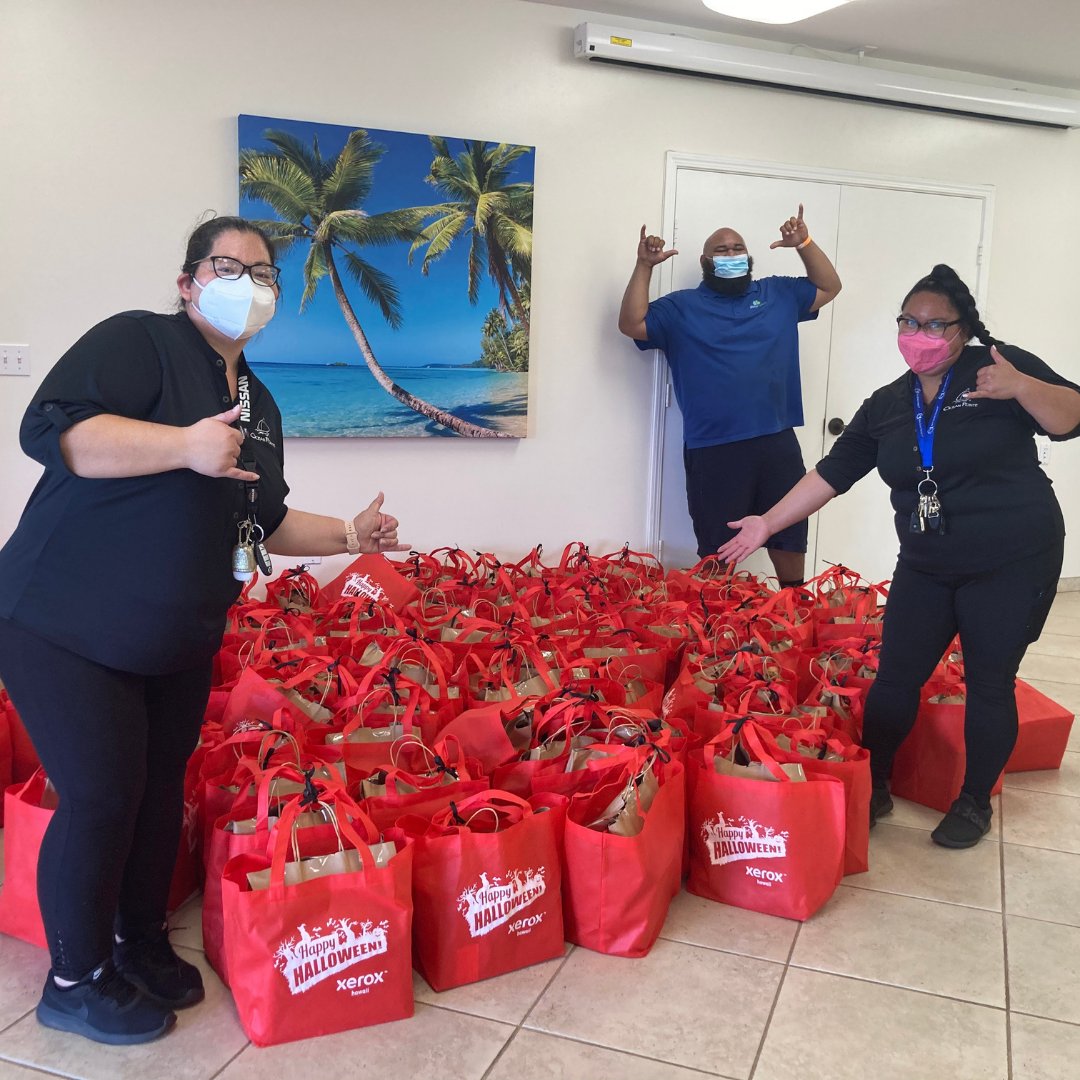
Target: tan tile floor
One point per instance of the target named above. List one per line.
(935, 965)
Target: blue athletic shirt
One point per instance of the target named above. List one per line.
(734, 359)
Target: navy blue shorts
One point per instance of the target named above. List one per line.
(730, 481)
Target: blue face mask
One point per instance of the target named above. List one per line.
(731, 266)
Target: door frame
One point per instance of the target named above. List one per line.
(662, 282)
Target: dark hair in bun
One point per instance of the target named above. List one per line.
(944, 281)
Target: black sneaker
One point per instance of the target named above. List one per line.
(149, 962)
(104, 1007)
(964, 825)
(880, 804)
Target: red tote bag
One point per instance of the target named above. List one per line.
(1044, 731)
(853, 772)
(327, 954)
(28, 809)
(371, 577)
(930, 764)
(488, 893)
(774, 847)
(617, 889)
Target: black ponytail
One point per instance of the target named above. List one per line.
(944, 281)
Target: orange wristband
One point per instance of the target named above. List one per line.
(806, 243)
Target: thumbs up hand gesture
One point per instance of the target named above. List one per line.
(998, 380)
(213, 446)
(376, 531)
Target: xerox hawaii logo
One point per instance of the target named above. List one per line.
(363, 585)
(741, 839)
(492, 902)
(307, 959)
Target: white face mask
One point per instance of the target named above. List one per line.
(237, 308)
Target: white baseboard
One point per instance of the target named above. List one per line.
(1069, 584)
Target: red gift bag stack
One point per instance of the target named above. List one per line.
(457, 763)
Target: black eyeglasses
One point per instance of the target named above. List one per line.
(934, 328)
(230, 269)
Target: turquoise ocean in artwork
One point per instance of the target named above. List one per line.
(330, 401)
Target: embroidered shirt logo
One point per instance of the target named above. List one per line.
(492, 902)
(757, 304)
(364, 585)
(961, 401)
(261, 433)
(307, 959)
(741, 839)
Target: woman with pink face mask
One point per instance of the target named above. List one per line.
(980, 530)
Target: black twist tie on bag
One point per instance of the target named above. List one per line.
(737, 725)
(443, 767)
(458, 819)
(311, 792)
(391, 682)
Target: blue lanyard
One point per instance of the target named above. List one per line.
(925, 432)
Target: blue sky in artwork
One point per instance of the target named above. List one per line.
(439, 324)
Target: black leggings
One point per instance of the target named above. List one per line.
(115, 746)
(997, 614)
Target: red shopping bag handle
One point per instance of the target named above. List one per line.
(282, 836)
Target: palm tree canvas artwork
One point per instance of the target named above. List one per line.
(406, 265)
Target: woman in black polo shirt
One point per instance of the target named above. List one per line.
(981, 533)
(159, 447)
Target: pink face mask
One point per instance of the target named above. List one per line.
(923, 353)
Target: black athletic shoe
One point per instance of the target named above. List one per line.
(880, 804)
(964, 825)
(149, 962)
(104, 1007)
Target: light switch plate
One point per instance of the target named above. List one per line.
(14, 359)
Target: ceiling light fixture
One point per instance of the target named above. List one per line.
(772, 11)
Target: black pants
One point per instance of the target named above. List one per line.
(115, 746)
(729, 481)
(997, 614)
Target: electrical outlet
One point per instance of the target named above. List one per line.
(1044, 451)
(312, 560)
(14, 359)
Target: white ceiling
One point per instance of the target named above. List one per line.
(1035, 41)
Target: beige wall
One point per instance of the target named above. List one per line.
(117, 121)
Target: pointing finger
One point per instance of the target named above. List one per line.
(241, 474)
(229, 416)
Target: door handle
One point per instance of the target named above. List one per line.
(836, 426)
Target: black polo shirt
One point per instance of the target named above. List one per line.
(135, 573)
(997, 503)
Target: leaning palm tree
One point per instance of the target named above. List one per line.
(318, 202)
(496, 214)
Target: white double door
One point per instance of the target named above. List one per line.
(882, 235)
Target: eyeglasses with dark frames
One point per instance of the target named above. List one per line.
(935, 328)
(230, 269)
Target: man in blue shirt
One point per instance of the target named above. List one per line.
(732, 345)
